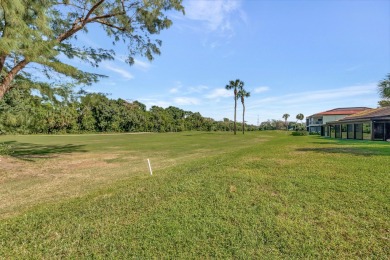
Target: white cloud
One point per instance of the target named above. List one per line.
(216, 14)
(124, 73)
(186, 101)
(188, 90)
(149, 102)
(341, 96)
(260, 89)
(219, 93)
(197, 89)
(174, 90)
(331, 94)
(142, 64)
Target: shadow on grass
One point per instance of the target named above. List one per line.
(207, 133)
(363, 151)
(31, 152)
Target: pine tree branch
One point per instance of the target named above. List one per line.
(77, 26)
(2, 61)
(93, 19)
(3, 55)
(123, 29)
(91, 11)
(6, 82)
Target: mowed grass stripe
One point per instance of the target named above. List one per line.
(289, 197)
(46, 169)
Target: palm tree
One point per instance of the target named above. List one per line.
(300, 117)
(234, 85)
(242, 93)
(286, 116)
(384, 87)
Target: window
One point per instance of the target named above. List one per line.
(344, 131)
(350, 133)
(379, 131)
(387, 130)
(359, 131)
(337, 129)
(331, 131)
(367, 131)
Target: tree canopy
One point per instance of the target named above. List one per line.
(286, 116)
(384, 91)
(62, 110)
(37, 32)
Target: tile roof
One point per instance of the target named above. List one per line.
(369, 114)
(342, 111)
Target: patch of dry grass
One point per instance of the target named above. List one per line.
(31, 178)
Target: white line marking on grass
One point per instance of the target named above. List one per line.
(150, 167)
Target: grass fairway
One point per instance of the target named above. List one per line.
(212, 195)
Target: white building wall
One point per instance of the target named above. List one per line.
(330, 118)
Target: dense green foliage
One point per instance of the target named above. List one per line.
(299, 133)
(280, 125)
(39, 32)
(384, 87)
(384, 91)
(63, 111)
(286, 116)
(257, 199)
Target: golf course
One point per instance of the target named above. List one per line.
(265, 194)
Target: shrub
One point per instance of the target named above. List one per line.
(299, 133)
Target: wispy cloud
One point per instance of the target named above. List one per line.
(260, 89)
(219, 93)
(176, 88)
(353, 68)
(197, 89)
(179, 88)
(149, 102)
(142, 64)
(186, 101)
(319, 96)
(139, 64)
(124, 73)
(215, 14)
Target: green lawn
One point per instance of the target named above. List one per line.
(212, 195)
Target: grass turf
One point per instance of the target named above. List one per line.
(212, 195)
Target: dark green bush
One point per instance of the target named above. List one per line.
(299, 133)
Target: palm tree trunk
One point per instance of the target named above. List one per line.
(235, 110)
(243, 116)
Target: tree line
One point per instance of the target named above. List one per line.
(47, 110)
(274, 124)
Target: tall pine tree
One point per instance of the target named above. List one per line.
(38, 31)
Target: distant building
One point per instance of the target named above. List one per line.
(370, 124)
(316, 123)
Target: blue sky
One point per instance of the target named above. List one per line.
(294, 56)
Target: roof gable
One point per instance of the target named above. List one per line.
(370, 113)
(342, 111)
